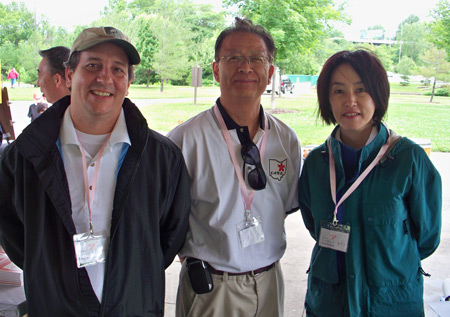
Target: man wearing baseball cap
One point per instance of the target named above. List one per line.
(93, 204)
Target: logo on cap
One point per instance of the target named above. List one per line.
(112, 31)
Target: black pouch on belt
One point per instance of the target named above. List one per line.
(199, 276)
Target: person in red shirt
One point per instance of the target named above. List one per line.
(13, 75)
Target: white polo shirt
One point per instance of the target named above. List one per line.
(217, 205)
(106, 182)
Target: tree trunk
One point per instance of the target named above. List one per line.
(432, 92)
(162, 85)
(274, 80)
(149, 72)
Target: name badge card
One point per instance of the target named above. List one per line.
(334, 236)
(90, 249)
(250, 232)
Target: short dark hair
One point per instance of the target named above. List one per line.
(56, 56)
(72, 63)
(41, 107)
(368, 66)
(245, 25)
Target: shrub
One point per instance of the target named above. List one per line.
(441, 92)
(405, 80)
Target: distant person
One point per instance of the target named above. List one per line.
(371, 199)
(37, 107)
(244, 165)
(13, 75)
(94, 239)
(52, 73)
(41, 107)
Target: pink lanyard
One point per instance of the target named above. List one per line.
(90, 198)
(247, 195)
(358, 180)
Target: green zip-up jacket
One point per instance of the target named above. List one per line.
(395, 220)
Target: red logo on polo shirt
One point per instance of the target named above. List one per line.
(277, 169)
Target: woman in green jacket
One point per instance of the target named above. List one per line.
(375, 211)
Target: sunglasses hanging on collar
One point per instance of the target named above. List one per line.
(251, 156)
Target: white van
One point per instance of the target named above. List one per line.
(276, 79)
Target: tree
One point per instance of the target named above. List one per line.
(305, 64)
(138, 7)
(28, 60)
(185, 34)
(440, 26)
(16, 23)
(171, 60)
(21, 37)
(117, 14)
(147, 45)
(16, 26)
(384, 53)
(405, 68)
(47, 36)
(409, 20)
(414, 41)
(9, 55)
(204, 24)
(437, 66)
(331, 42)
(296, 26)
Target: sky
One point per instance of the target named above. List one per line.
(388, 13)
(364, 13)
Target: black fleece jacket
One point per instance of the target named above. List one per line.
(148, 225)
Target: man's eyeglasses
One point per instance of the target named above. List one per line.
(256, 177)
(238, 61)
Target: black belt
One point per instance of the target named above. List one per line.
(254, 272)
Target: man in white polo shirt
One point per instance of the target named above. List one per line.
(93, 204)
(244, 166)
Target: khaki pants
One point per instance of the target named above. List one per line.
(234, 296)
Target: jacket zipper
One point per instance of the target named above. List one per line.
(105, 282)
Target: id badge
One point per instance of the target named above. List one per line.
(250, 231)
(90, 249)
(334, 236)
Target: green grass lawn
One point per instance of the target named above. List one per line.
(412, 88)
(409, 114)
(153, 92)
(135, 92)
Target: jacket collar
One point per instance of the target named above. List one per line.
(375, 142)
(368, 152)
(37, 144)
(38, 137)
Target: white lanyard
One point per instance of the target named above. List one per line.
(90, 198)
(358, 180)
(247, 195)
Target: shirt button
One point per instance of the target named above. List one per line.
(93, 164)
(370, 219)
(90, 187)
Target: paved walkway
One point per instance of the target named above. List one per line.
(296, 260)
